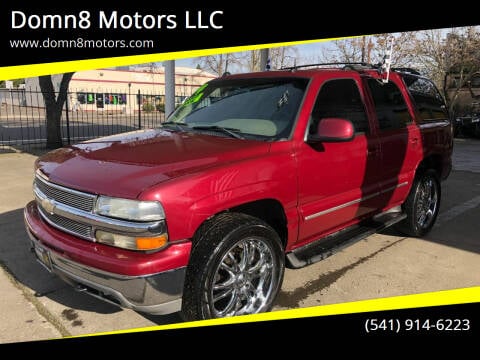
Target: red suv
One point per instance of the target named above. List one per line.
(251, 173)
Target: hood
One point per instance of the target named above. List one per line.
(126, 164)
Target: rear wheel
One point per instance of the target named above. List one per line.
(236, 268)
(422, 205)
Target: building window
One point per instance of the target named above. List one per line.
(115, 99)
(99, 100)
(90, 98)
(82, 98)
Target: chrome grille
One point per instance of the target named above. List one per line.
(69, 197)
(68, 225)
(75, 199)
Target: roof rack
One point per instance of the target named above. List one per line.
(357, 66)
(347, 66)
(406, 70)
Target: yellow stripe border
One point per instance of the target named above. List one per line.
(438, 298)
(24, 71)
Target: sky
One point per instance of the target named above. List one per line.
(306, 52)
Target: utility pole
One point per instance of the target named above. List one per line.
(363, 49)
(264, 53)
(169, 87)
(369, 51)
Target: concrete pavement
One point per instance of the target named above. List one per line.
(65, 311)
(36, 305)
(23, 316)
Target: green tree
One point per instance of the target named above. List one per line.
(16, 83)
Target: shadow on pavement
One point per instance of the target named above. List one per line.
(15, 254)
(457, 223)
(163, 319)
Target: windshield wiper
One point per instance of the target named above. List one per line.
(179, 126)
(228, 131)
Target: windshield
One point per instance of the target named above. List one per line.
(251, 108)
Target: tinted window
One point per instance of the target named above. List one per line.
(391, 108)
(430, 103)
(340, 99)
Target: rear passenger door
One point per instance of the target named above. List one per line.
(399, 137)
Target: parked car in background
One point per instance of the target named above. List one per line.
(468, 125)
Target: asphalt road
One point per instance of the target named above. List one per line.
(36, 305)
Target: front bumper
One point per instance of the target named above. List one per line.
(157, 293)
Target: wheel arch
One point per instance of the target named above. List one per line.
(434, 162)
(270, 210)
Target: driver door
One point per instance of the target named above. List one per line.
(338, 181)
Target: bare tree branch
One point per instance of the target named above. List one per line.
(450, 59)
(218, 64)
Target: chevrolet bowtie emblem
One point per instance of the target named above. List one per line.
(48, 205)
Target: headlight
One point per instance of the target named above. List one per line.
(129, 209)
(130, 242)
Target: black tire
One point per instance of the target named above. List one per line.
(421, 205)
(456, 131)
(477, 130)
(216, 260)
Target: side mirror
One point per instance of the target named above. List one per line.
(333, 130)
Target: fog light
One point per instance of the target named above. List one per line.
(131, 242)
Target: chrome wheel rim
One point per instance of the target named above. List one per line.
(427, 203)
(244, 279)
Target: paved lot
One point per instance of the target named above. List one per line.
(35, 305)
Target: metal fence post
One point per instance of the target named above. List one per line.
(68, 119)
(139, 110)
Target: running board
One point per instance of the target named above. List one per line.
(327, 246)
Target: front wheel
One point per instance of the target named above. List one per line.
(236, 268)
(422, 205)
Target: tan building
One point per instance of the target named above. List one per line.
(126, 90)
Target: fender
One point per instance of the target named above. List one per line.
(191, 200)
